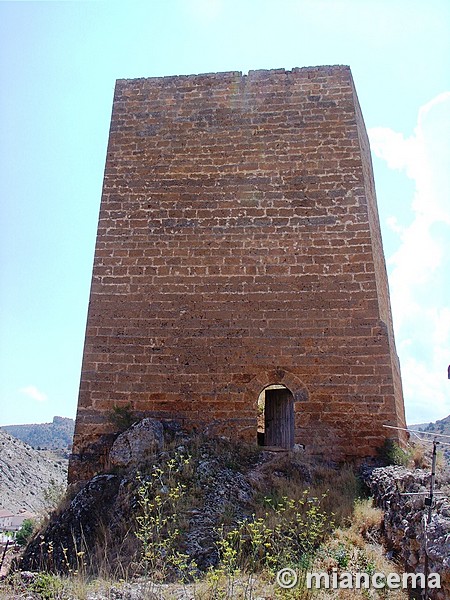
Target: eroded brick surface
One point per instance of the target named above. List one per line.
(239, 246)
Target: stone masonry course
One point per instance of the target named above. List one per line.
(239, 247)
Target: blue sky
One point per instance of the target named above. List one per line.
(58, 65)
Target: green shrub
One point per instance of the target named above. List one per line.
(47, 586)
(342, 556)
(25, 532)
(391, 454)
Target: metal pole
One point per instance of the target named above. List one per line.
(433, 479)
(429, 503)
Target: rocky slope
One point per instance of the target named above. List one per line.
(45, 436)
(28, 476)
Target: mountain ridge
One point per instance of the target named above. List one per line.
(56, 435)
(441, 426)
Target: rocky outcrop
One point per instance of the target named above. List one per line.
(226, 489)
(137, 444)
(401, 494)
(103, 514)
(69, 535)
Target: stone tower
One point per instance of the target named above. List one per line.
(239, 249)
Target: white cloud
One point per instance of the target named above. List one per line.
(421, 385)
(394, 225)
(32, 392)
(419, 269)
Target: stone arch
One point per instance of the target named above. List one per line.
(278, 376)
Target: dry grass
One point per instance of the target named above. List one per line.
(291, 475)
(355, 549)
(419, 457)
(367, 519)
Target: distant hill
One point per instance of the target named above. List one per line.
(441, 427)
(29, 478)
(57, 435)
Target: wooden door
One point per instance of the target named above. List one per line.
(279, 418)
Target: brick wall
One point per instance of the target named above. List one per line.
(239, 246)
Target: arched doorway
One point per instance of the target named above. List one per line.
(276, 417)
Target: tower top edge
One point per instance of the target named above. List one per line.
(252, 74)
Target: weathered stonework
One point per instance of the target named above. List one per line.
(401, 494)
(239, 246)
